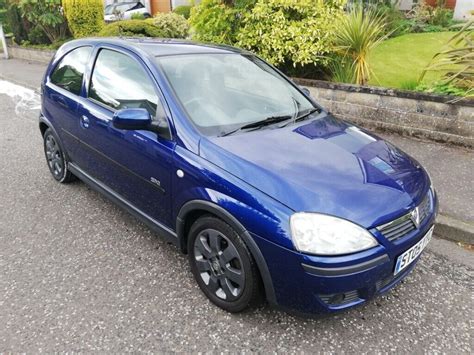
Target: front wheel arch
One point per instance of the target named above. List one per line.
(192, 210)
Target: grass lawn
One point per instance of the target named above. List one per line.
(401, 59)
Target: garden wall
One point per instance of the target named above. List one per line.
(405, 112)
(37, 55)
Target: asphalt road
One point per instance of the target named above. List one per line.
(79, 274)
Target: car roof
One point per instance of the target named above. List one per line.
(158, 47)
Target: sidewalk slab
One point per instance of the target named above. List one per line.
(451, 167)
(21, 72)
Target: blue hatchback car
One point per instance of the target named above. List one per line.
(217, 151)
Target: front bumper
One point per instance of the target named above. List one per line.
(315, 284)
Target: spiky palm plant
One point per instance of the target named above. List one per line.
(358, 33)
(456, 61)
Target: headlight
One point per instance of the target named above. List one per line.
(431, 182)
(320, 234)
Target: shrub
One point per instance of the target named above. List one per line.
(17, 24)
(183, 10)
(291, 31)
(131, 28)
(445, 89)
(441, 17)
(214, 21)
(47, 14)
(3, 20)
(456, 61)
(357, 33)
(426, 18)
(172, 25)
(341, 70)
(137, 16)
(85, 17)
(37, 36)
(411, 84)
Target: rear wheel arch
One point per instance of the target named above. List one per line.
(193, 210)
(43, 127)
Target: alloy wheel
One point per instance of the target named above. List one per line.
(54, 156)
(219, 264)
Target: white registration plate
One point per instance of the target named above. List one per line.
(411, 254)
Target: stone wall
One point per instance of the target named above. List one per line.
(422, 115)
(37, 55)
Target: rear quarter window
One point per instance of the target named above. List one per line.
(69, 72)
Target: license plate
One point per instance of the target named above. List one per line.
(411, 254)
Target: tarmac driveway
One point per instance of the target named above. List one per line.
(79, 274)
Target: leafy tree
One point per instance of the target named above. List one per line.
(18, 25)
(47, 15)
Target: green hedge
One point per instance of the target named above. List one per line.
(289, 31)
(85, 17)
(172, 25)
(131, 28)
(164, 25)
(183, 10)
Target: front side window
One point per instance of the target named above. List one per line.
(119, 82)
(69, 72)
(221, 92)
(109, 10)
(123, 7)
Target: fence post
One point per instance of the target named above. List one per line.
(4, 42)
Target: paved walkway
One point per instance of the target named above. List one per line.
(450, 167)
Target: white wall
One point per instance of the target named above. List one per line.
(462, 10)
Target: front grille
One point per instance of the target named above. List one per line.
(398, 227)
(405, 224)
(338, 299)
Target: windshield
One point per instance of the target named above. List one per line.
(222, 92)
(109, 9)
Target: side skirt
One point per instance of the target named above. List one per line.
(163, 231)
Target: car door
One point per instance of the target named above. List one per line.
(135, 164)
(61, 94)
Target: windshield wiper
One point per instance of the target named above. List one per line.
(258, 124)
(301, 117)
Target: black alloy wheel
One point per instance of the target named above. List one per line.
(55, 158)
(219, 264)
(222, 265)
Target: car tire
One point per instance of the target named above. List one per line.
(223, 266)
(55, 158)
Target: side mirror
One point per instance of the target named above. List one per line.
(138, 119)
(305, 91)
(132, 119)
